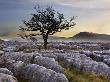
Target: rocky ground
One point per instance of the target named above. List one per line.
(28, 62)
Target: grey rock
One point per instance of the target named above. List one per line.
(2, 61)
(36, 73)
(15, 67)
(83, 63)
(7, 78)
(1, 53)
(20, 56)
(49, 63)
(50, 55)
(5, 71)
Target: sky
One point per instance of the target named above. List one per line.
(92, 15)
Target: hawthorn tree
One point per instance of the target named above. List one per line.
(47, 22)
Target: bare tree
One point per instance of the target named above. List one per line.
(47, 22)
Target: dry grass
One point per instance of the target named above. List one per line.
(76, 76)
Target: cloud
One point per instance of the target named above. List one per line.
(86, 3)
(93, 15)
(91, 4)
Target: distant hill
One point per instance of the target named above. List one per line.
(40, 39)
(82, 36)
(87, 36)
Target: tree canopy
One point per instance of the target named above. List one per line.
(48, 22)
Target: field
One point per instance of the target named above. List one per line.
(61, 62)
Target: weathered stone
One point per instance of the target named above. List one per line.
(25, 57)
(15, 67)
(36, 73)
(5, 71)
(2, 61)
(7, 78)
(50, 55)
(49, 63)
(1, 53)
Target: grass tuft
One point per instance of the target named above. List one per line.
(74, 75)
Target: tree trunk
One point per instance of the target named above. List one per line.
(45, 44)
(45, 37)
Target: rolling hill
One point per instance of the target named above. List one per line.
(88, 36)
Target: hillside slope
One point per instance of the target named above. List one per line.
(86, 36)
